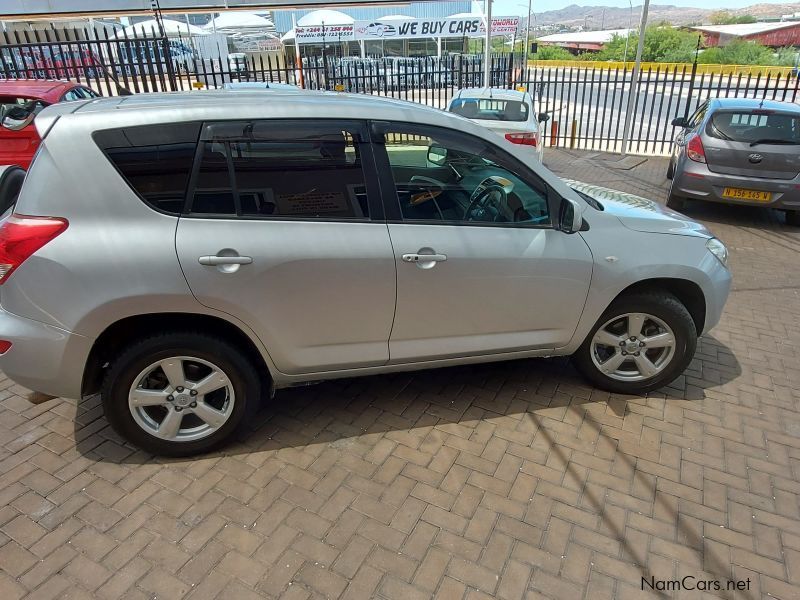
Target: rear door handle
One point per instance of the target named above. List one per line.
(413, 258)
(215, 261)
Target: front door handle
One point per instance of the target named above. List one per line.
(216, 261)
(417, 258)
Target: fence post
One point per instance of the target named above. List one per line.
(691, 80)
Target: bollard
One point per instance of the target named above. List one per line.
(554, 133)
(573, 133)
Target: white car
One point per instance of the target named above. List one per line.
(506, 112)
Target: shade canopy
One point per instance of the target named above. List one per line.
(325, 17)
(236, 21)
(171, 28)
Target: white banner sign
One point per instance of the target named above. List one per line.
(446, 27)
(317, 34)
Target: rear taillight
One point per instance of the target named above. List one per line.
(694, 149)
(21, 236)
(525, 138)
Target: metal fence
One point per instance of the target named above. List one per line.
(587, 105)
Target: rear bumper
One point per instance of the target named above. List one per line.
(43, 358)
(695, 181)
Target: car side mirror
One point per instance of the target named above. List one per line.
(437, 155)
(570, 219)
(543, 117)
(680, 122)
(17, 118)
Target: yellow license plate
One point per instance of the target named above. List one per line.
(742, 194)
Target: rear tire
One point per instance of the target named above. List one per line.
(793, 218)
(676, 203)
(153, 403)
(671, 170)
(667, 339)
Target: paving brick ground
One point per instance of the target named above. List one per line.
(511, 480)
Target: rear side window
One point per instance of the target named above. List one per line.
(752, 126)
(155, 160)
(279, 169)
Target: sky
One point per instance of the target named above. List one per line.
(507, 8)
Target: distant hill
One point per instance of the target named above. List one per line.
(609, 17)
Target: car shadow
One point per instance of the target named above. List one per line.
(751, 217)
(546, 398)
(336, 411)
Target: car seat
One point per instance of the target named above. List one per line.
(11, 178)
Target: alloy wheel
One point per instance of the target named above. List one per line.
(181, 399)
(633, 347)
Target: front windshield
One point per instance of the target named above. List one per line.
(490, 109)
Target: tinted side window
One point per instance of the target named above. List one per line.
(155, 160)
(698, 115)
(270, 168)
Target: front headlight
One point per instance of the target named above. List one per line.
(719, 250)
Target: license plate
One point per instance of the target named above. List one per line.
(742, 194)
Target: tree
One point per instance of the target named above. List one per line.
(553, 53)
(738, 52)
(662, 43)
(724, 17)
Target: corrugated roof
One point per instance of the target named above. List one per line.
(583, 37)
(743, 29)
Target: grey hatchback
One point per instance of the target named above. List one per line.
(738, 151)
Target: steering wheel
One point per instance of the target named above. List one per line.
(486, 201)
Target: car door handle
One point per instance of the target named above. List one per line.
(215, 261)
(414, 258)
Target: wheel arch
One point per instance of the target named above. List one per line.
(124, 331)
(688, 292)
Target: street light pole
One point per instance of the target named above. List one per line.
(487, 58)
(527, 34)
(633, 91)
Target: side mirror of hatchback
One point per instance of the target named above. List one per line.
(543, 117)
(569, 218)
(17, 118)
(680, 122)
(437, 155)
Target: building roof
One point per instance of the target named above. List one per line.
(745, 29)
(583, 37)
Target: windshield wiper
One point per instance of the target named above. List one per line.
(773, 141)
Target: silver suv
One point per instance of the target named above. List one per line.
(186, 255)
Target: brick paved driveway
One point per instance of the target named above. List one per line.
(513, 480)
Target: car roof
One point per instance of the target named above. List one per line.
(499, 94)
(174, 107)
(43, 89)
(752, 103)
(261, 85)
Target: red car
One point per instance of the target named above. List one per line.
(21, 97)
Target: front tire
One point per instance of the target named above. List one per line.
(641, 343)
(178, 394)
